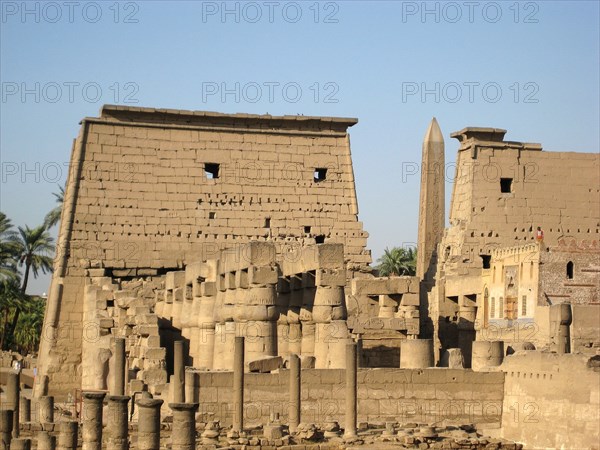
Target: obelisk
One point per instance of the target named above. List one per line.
(432, 200)
(431, 225)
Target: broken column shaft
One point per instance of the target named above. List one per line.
(117, 423)
(238, 385)
(46, 409)
(295, 390)
(67, 436)
(13, 390)
(6, 425)
(92, 420)
(119, 377)
(149, 423)
(45, 441)
(20, 444)
(177, 380)
(351, 390)
(184, 425)
(25, 409)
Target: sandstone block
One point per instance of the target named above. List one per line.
(106, 322)
(262, 275)
(330, 277)
(410, 299)
(174, 279)
(154, 353)
(266, 365)
(154, 376)
(146, 319)
(146, 330)
(208, 289)
(307, 362)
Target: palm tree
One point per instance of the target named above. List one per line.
(29, 328)
(8, 258)
(397, 262)
(34, 245)
(11, 299)
(53, 216)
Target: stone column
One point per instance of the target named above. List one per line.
(45, 441)
(487, 354)
(119, 367)
(466, 332)
(329, 315)
(293, 316)
(92, 420)
(563, 339)
(25, 409)
(206, 325)
(188, 319)
(117, 423)
(351, 391)
(282, 305)
(257, 319)
(6, 426)
(194, 332)
(149, 423)
(184, 425)
(224, 333)
(295, 391)
(326, 298)
(46, 409)
(306, 316)
(178, 380)
(238, 385)
(20, 444)
(12, 400)
(416, 354)
(67, 436)
(178, 292)
(191, 386)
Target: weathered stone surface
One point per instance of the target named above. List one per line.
(452, 358)
(266, 365)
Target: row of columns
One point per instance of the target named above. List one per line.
(184, 429)
(294, 412)
(296, 305)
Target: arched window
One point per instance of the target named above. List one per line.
(570, 270)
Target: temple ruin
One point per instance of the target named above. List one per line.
(213, 289)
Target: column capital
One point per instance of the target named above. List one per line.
(119, 398)
(94, 395)
(149, 402)
(183, 406)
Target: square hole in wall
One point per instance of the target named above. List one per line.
(506, 185)
(211, 170)
(211, 215)
(320, 174)
(320, 239)
(307, 229)
(267, 222)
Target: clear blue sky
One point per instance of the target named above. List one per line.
(528, 67)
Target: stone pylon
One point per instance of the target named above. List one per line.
(432, 218)
(432, 199)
